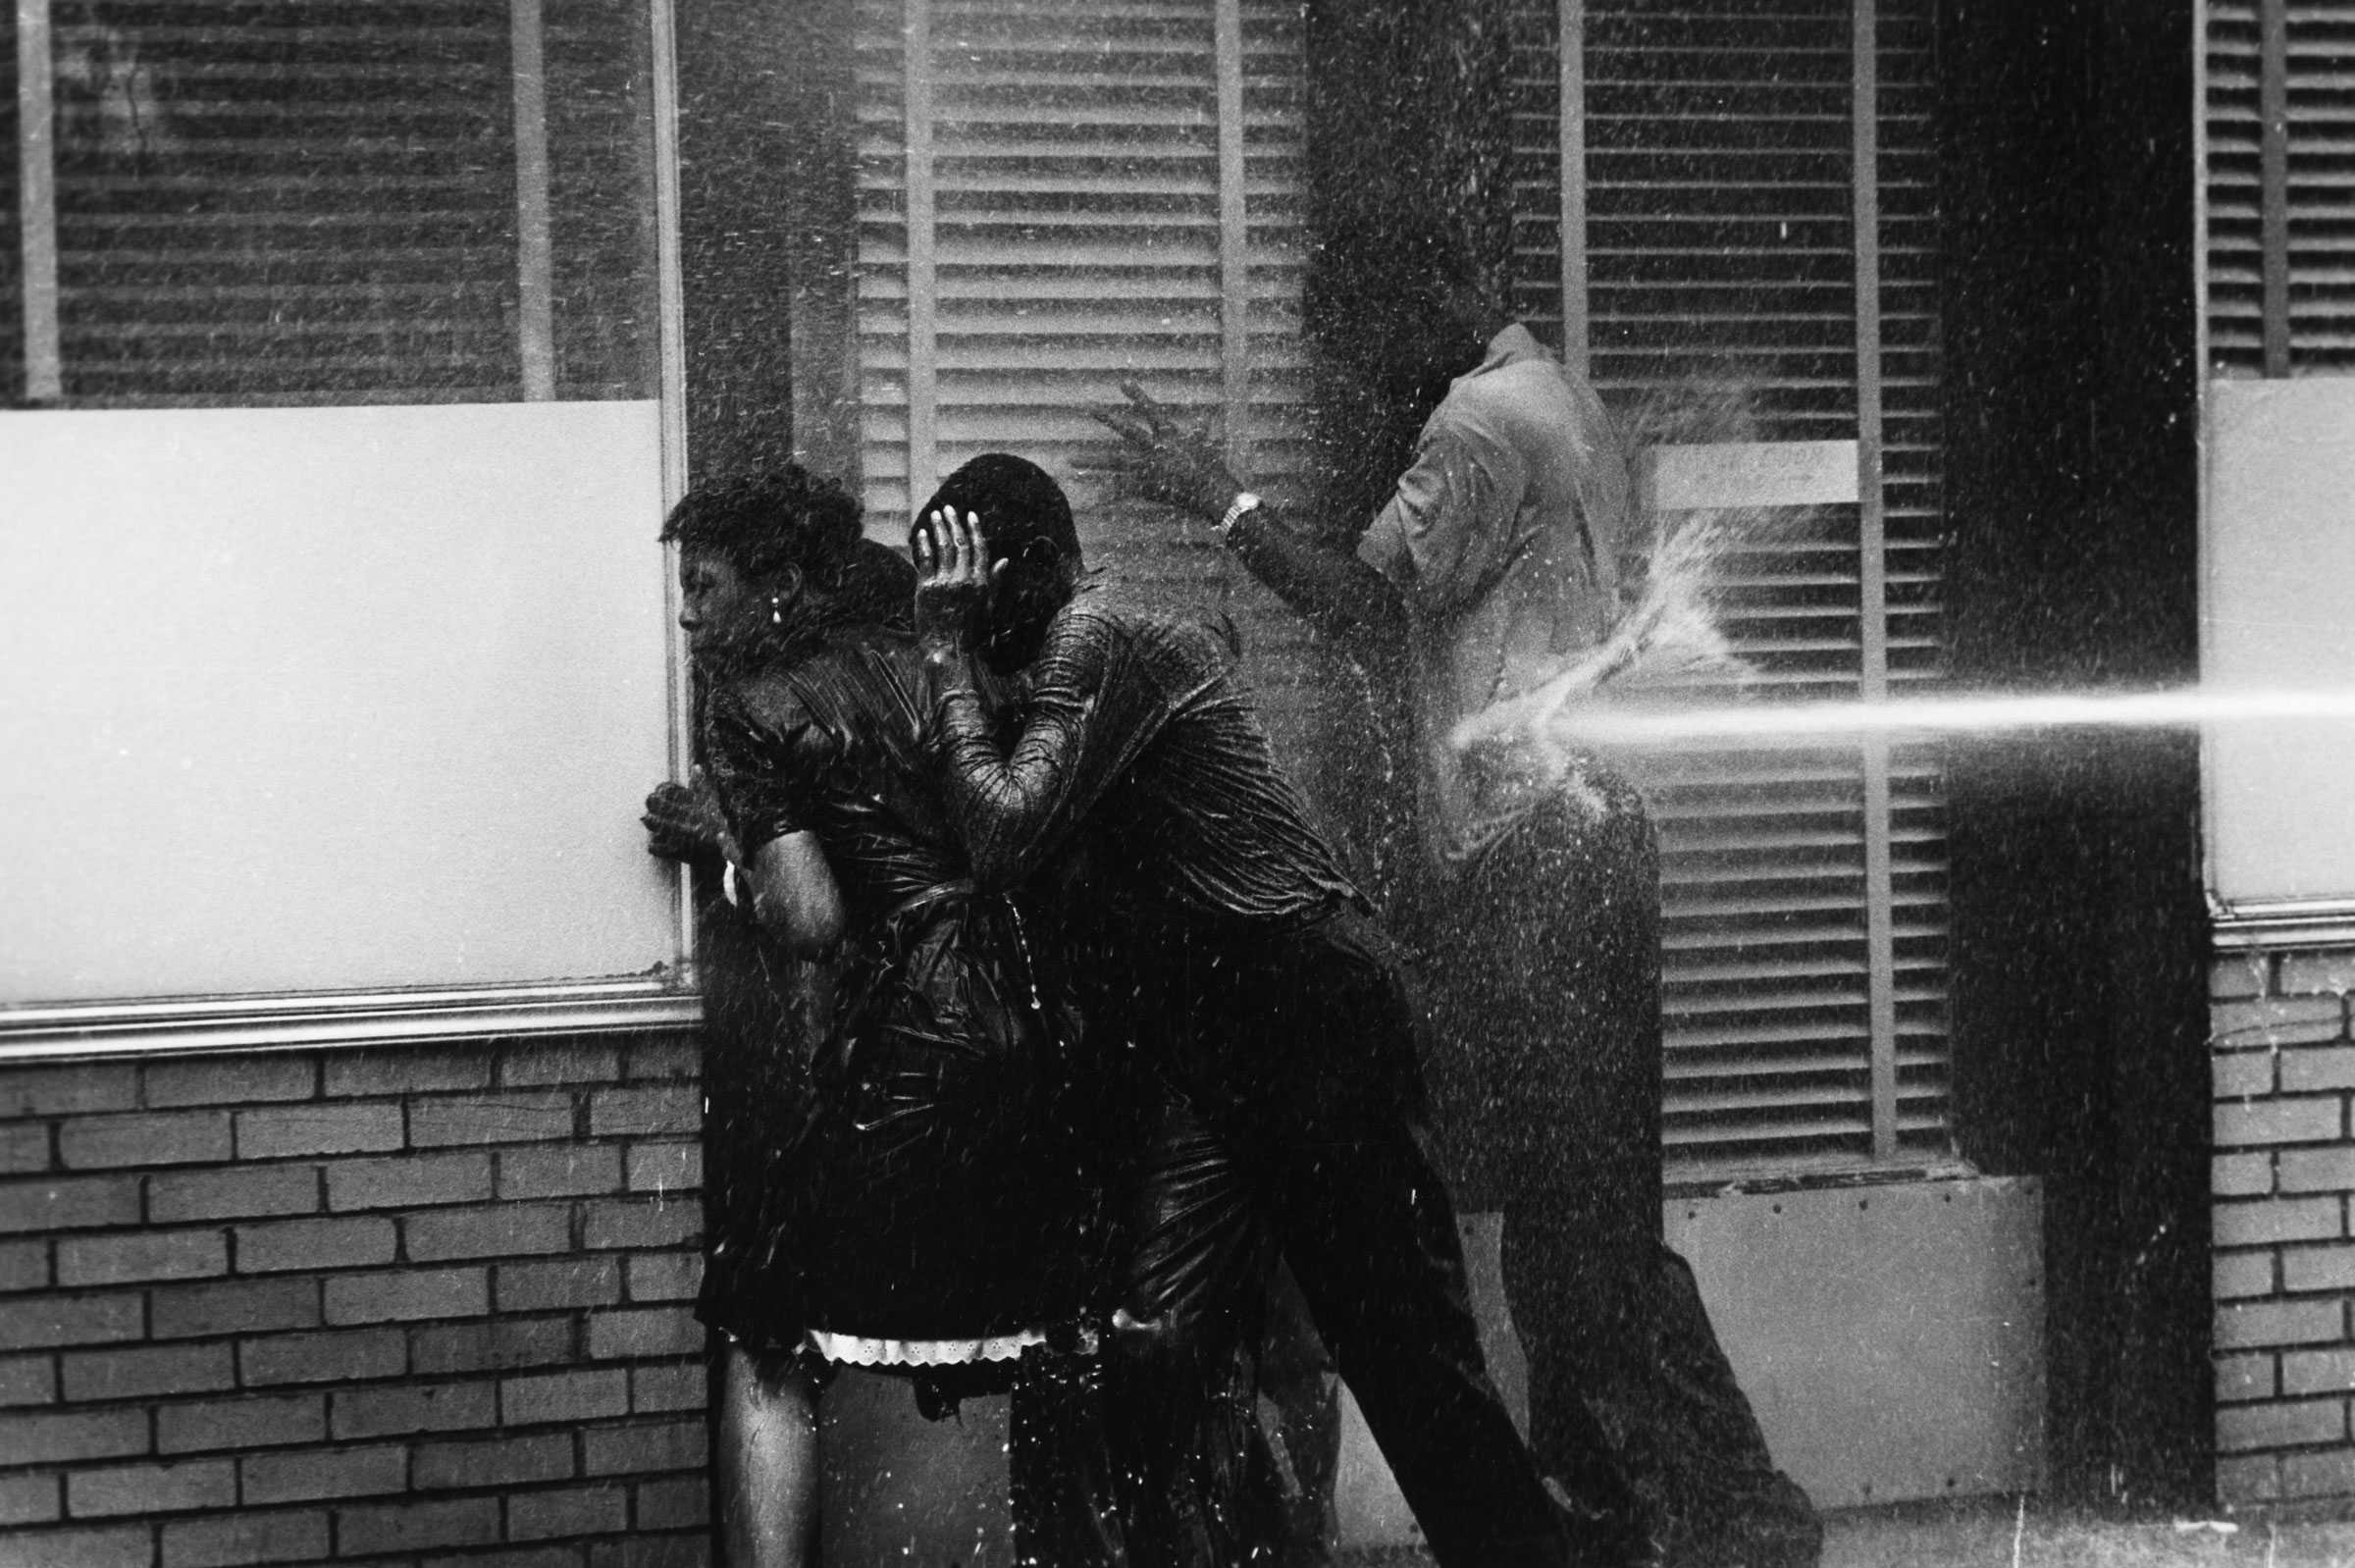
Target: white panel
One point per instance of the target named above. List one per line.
(2280, 555)
(1890, 1337)
(302, 699)
(1764, 473)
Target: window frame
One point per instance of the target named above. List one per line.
(667, 999)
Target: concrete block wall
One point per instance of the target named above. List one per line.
(401, 1305)
(2283, 1183)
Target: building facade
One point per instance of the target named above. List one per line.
(349, 1065)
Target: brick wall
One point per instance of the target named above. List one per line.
(398, 1305)
(2283, 1176)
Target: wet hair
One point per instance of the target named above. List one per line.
(1026, 522)
(764, 523)
(876, 587)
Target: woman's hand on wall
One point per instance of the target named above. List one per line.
(684, 822)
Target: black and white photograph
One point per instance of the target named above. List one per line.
(1177, 783)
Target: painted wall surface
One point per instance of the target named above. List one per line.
(300, 699)
(2275, 619)
(1890, 1337)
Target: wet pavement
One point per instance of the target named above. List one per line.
(1999, 1535)
(2004, 1536)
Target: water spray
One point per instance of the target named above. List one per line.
(1600, 720)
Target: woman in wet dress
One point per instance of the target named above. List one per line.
(930, 1182)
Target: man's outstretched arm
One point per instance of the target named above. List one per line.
(1162, 459)
(1329, 587)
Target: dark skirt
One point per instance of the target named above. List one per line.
(942, 1178)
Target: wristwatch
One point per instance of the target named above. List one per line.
(1244, 503)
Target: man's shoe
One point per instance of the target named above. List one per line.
(1616, 1537)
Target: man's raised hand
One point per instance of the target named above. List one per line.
(1162, 458)
(953, 577)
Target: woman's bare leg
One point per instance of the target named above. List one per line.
(767, 1470)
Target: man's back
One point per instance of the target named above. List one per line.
(1504, 541)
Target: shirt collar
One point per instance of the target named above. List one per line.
(1514, 346)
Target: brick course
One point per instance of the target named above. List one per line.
(569, 1169)
(318, 1127)
(141, 1255)
(246, 1538)
(234, 1306)
(27, 1381)
(25, 1146)
(309, 1244)
(495, 1231)
(23, 1265)
(175, 1138)
(2283, 1176)
(571, 1511)
(29, 1501)
(322, 1357)
(419, 1303)
(234, 1193)
(245, 1422)
(152, 1489)
(408, 1182)
(31, 1322)
(46, 1207)
(147, 1371)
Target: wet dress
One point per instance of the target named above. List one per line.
(930, 1195)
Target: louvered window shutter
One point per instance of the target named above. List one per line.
(317, 202)
(2281, 186)
(1055, 198)
(1073, 194)
(1756, 199)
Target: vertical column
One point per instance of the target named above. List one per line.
(535, 260)
(1235, 237)
(36, 185)
(1571, 128)
(1872, 591)
(924, 386)
(2273, 181)
(670, 339)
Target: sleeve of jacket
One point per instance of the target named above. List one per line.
(1446, 533)
(768, 754)
(1093, 708)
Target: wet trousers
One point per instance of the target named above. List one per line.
(1613, 1324)
(1545, 958)
(1297, 1050)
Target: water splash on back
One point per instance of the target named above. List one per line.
(1668, 644)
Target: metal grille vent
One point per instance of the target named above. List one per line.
(312, 202)
(1056, 198)
(2281, 186)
